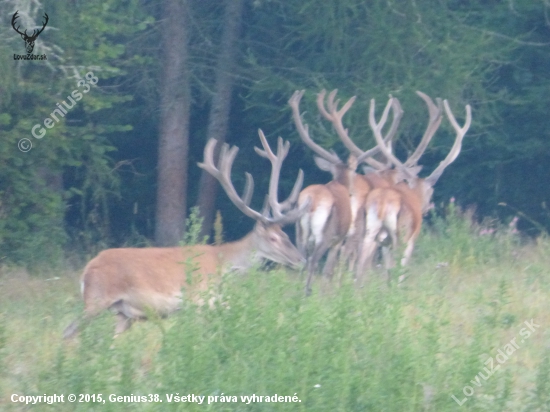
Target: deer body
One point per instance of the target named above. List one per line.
(331, 219)
(132, 281)
(397, 212)
(388, 203)
(324, 226)
(392, 213)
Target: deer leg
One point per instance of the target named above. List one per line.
(366, 255)
(93, 306)
(313, 262)
(328, 270)
(123, 323)
(71, 329)
(388, 262)
(368, 248)
(350, 249)
(408, 252)
(388, 257)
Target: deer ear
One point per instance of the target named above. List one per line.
(323, 164)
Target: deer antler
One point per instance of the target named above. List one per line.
(376, 128)
(222, 173)
(455, 150)
(409, 167)
(433, 124)
(335, 117)
(303, 130)
(276, 164)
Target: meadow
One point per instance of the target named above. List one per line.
(467, 330)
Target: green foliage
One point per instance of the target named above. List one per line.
(193, 229)
(376, 48)
(68, 168)
(458, 240)
(541, 395)
(3, 340)
(378, 348)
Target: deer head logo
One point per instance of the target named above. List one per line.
(29, 40)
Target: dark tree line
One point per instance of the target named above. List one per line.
(120, 168)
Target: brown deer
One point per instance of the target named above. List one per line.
(397, 212)
(377, 175)
(132, 281)
(331, 219)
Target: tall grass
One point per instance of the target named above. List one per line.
(397, 348)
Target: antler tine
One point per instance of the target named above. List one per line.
(277, 208)
(436, 115)
(282, 149)
(457, 146)
(397, 115)
(303, 130)
(335, 117)
(367, 156)
(223, 173)
(248, 189)
(276, 164)
(377, 131)
(321, 103)
(293, 196)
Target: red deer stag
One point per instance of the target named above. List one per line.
(331, 219)
(131, 281)
(397, 212)
(383, 175)
(378, 175)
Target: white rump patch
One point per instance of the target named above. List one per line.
(391, 218)
(319, 220)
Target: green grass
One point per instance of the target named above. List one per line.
(406, 348)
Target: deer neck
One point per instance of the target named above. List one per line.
(241, 254)
(419, 194)
(343, 175)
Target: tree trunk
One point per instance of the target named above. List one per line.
(221, 105)
(174, 126)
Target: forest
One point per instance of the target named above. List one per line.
(106, 109)
(92, 180)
